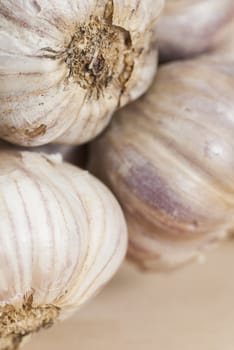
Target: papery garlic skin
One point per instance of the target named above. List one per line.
(225, 50)
(76, 155)
(66, 66)
(62, 237)
(190, 27)
(169, 159)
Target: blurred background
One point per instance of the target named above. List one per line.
(188, 309)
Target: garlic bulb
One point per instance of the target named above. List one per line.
(62, 237)
(66, 66)
(169, 158)
(191, 27)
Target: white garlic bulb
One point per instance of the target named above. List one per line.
(66, 66)
(191, 27)
(62, 237)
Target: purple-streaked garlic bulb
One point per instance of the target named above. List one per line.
(169, 159)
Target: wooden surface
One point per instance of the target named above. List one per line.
(190, 309)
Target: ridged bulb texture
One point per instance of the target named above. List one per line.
(191, 27)
(66, 66)
(62, 237)
(169, 158)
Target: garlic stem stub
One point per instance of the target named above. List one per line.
(169, 159)
(62, 237)
(191, 27)
(66, 66)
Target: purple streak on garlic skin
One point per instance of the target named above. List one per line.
(148, 185)
(169, 160)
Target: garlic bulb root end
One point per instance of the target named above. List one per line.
(17, 323)
(98, 52)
